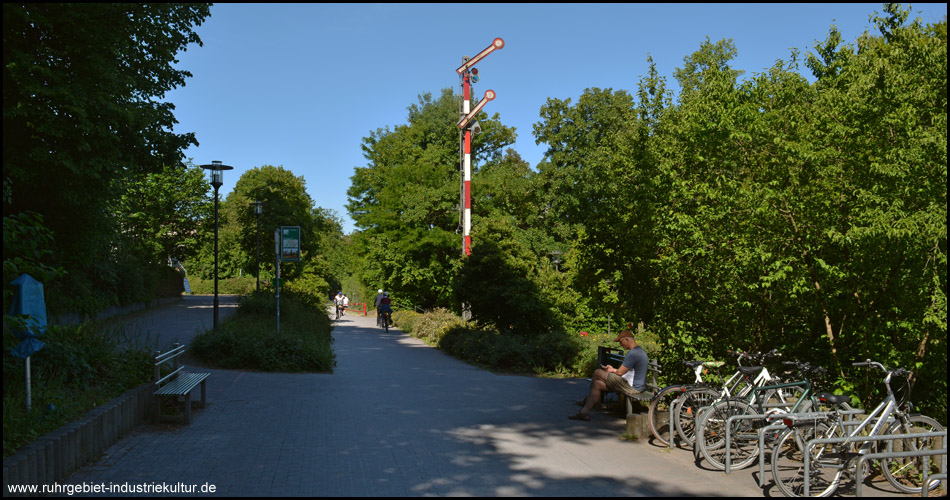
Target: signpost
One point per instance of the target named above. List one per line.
(287, 249)
(30, 302)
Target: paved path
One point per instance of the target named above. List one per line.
(179, 321)
(400, 418)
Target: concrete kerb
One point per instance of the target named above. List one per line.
(51, 458)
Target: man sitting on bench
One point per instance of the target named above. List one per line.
(629, 379)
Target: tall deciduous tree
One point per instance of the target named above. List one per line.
(405, 201)
(81, 108)
(286, 203)
(160, 214)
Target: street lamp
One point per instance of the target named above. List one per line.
(217, 179)
(609, 283)
(557, 259)
(258, 208)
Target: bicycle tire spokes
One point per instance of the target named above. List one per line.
(907, 473)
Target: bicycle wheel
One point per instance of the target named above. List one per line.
(906, 473)
(659, 413)
(386, 322)
(788, 466)
(686, 409)
(711, 435)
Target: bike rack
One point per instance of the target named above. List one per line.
(921, 453)
(884, 437)
(795, 416)
(758, 416)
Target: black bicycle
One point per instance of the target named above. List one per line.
(387, 319)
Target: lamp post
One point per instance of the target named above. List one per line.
(258, 208)
(557, 259)
(609, 283)
(217, 179)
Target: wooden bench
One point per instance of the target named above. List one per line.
(176, 384)
(614, 357)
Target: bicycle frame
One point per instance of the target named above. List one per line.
(877, 421)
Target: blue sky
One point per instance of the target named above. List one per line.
(301, 85)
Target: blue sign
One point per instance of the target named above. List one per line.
(29, 301)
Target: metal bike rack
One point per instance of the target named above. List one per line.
(920, 453)
(759, 416)
(863, 439)
(815, 416)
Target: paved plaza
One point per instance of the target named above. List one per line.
(395, 418)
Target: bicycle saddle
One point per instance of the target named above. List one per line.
(834, 398)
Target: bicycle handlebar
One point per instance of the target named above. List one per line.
(805, 366)
(900, 372)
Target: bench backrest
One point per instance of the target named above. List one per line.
(169, 356)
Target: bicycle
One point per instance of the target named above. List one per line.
(830, 461)
(688, 409)
(659, 411)
(387, 318)
(743, 447)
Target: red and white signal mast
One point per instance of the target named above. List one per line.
(467, 123)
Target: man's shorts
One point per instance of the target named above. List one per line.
(616, 383)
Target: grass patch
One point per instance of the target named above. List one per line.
(79, 368)
(249, 340)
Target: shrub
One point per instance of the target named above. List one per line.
(240, 285)
(249, 340)
(310, 289)
(406, 320)
(431, 327)
(80, 367)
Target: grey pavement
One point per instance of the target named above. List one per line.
(178, 321)
(398, 418)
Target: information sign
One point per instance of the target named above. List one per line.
(290, 243)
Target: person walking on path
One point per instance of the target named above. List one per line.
(629, 379)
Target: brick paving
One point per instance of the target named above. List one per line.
(395, 418)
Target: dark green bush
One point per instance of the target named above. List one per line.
(79, 367)
(240, 285)
(482, 345)
(250, 341)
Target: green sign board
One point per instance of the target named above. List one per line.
(290, 243)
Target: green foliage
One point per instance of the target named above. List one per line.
(406, 320)
(84, 132)
(249, 340)
(748, 214)
(230, 286)
(429, 327)
(497, 282)
(405, 201)
(484, 345)
(285, 202)
(82, 111)
(26, 250)
(309, 289)
(161, 212)
(79, 368)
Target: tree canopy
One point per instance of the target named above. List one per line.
(82, 85)
(749, 213)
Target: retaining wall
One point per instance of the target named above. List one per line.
(53, 457)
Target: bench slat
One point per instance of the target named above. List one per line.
(183, 384)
